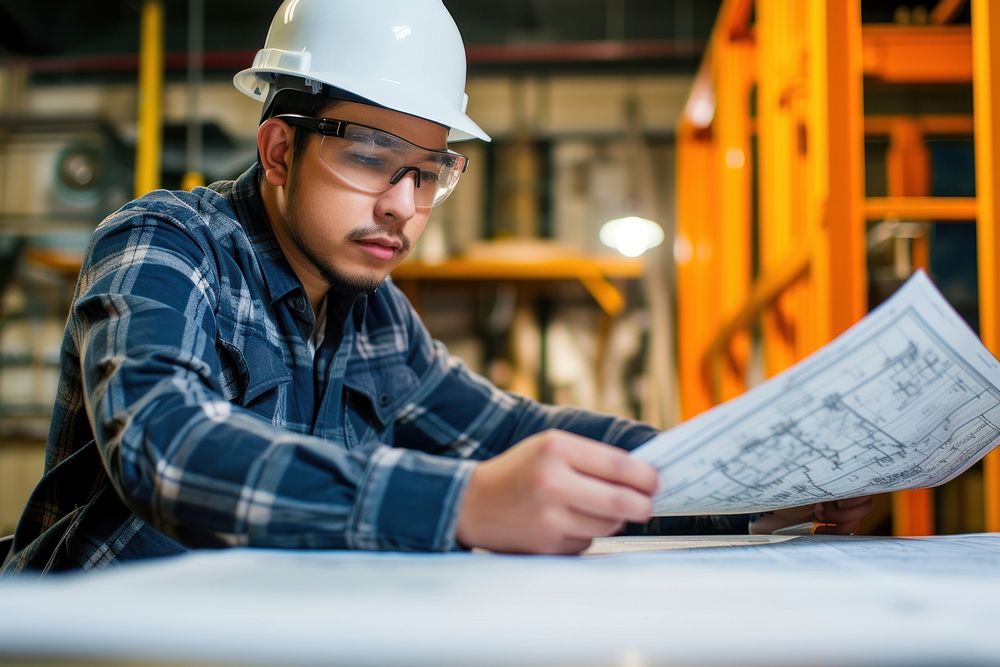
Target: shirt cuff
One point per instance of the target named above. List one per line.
(729, 524)
(409, 501)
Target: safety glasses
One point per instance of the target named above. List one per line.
(374, 161)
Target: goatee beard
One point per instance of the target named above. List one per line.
(349, 287)
(342, 286)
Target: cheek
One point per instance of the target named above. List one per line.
(330, 217)
(416, 226)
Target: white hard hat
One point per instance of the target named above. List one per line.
(404, 55)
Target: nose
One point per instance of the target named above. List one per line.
(397, 203)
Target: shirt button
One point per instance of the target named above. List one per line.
(384, 400)
(299, 303)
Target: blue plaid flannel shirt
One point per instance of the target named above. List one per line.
(192, 410)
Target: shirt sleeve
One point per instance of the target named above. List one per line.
(459, 413)
(200, 468)
(456, 412)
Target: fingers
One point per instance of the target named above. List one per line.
(852, 502)
(851, 510)
(580, 526)
(606, 483)
(790, 515)
(848, 528)
(608, 463)
(842, 517)
(570, 546)
(602, 500)
(835, 517)
(552, 493)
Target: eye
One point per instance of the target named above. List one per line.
(427, 176)
(367, 160)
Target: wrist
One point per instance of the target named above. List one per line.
(466, 522)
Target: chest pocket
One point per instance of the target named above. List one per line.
(251, 369)
(375, 393)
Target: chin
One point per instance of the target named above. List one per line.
(356, 282)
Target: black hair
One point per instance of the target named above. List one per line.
(298, 102)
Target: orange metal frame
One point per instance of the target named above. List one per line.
(986, 91)
(808, 60)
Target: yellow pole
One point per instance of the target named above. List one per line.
(148, 144)
(986, 92)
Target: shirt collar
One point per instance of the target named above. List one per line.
(279, 279)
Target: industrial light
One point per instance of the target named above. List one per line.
(631, 236)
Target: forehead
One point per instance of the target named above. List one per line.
(415, 130)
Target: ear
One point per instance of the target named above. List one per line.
(274, 145)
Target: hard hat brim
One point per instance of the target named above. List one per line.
(254, 83)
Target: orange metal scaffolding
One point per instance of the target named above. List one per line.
(986, 91)
(792, 71)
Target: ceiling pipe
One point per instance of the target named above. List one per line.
(574, 53)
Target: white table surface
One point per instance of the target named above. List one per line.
(631, 602)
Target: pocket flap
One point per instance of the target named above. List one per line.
(386, 388)
(259, 366)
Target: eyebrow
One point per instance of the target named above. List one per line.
(386, 141)
(405, 149)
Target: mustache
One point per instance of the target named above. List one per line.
(374, 230)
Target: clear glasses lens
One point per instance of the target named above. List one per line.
(370, 159)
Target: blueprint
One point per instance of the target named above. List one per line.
(906, 398)
(972, 556)
(813, 601)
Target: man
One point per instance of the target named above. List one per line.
(238, 369)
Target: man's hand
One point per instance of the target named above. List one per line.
(552, 493)
(834, 517)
